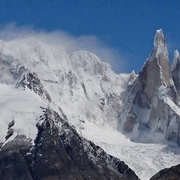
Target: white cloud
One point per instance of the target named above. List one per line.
(69, 42)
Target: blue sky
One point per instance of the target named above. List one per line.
(127, 27)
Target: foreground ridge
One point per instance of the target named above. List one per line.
(59, 153)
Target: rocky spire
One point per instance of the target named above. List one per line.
(156, 71)
(147, 99)
(159, 38)
(160, 47)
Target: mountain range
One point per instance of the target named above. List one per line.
(69, 116)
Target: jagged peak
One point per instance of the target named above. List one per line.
(159, 38)
(160, 47)
(175, 60)
(160, 44)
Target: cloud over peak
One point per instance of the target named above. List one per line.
(68, 42)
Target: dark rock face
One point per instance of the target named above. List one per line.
(13, 161)
(172, 173)
(59, 153)
(154, 74)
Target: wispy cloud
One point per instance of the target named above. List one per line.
(69, 42)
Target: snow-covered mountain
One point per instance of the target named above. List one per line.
(43, 90)
(78, 78)
(52, 102)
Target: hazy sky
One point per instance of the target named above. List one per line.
(120, 27)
